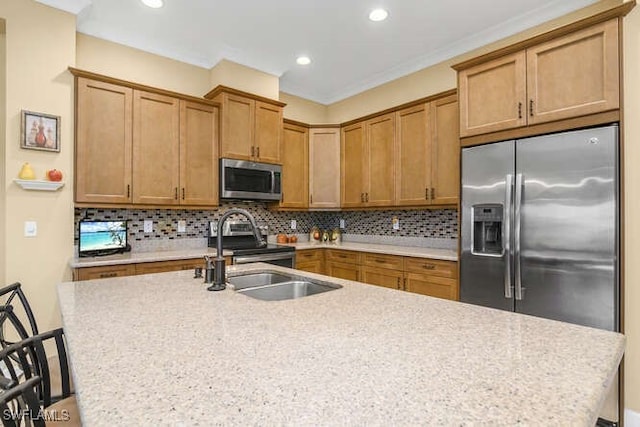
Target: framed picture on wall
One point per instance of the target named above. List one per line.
(40, 131)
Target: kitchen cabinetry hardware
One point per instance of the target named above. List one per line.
(128, 190)
(253, 151)
(433, 193)
(429, 266)
(182, 193)
(516, 236)
(175, 193)
(105, 275)
(404, 284)
(531, 107)
(399, 283)
(426, 193)
(311, 198)
(366, 199)
(519, 110)
(258, 152)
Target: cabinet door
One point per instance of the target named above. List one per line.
(198, 154)
(431, 285)
(413, 161)
(90, 273)
(310, 260)
(445, 163)
(493, 95)
(380, 168)
(103, 142)
(382, 277)
(574, 75)
(342, 270)
(295, 167)
(352, 161)
(268, 132)
(311, 267)
(324, 168)
(237, 138)
(156, 151)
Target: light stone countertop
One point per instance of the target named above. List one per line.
(138, 257)
(410, 251)
(159, 349)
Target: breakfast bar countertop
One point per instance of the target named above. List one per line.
(159, 349)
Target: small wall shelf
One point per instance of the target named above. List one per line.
(39, 185)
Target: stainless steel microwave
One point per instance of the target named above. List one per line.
(240, 179)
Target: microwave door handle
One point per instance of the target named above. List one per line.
(506, 223)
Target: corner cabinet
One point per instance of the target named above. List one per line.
(137, 146)
(575, 73)
(251, 126)
(295, 167)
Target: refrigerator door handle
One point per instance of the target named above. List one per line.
(516, 237)
(507, 235)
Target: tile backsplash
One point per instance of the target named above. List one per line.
(438, 224)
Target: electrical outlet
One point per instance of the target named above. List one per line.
(30, 229)
(342, 224)
(182, 226)
(148, 226)
(294, 224)
(395, 223)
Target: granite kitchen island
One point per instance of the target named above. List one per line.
(159, 349)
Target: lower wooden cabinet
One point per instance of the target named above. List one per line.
(425, 276)
(90, 273)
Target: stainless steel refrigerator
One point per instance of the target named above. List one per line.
(539, 228)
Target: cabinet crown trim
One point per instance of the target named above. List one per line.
(615, 12)
(112, 80)
(225, 89)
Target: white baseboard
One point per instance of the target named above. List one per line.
(631, 418)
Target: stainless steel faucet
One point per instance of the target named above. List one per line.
(219, 275)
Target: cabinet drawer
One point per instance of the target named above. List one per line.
(432, 267)
(343, 270)
(426, 284)
(163, 266)
(309, 255)
(343, 256)
(90, 273)
(382, 261)
(382, 277)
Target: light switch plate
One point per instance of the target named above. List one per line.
(182, 226)
(148, 226)
(342, 223)
(294, 224)
(395, 222)
(30, 229)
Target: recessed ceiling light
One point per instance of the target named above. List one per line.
(378, 15)
(153, 3)
(303, 60)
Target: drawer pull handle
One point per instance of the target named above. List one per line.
(104, 275)
(429, 266)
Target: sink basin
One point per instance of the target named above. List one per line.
(257, 279)
(277, 286)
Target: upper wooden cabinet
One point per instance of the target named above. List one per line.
(143, 147)
(295, 167)
(428, 153)
(571, 75)
(251, 126)
(445, 152)
(324, 168)
(104, 123)
(367, 163)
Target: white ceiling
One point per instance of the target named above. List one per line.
(350, 53)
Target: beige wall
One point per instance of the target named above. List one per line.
(40, 45)
(250, 80)
(3, 119)
(303, 110)
(123, 62)
(631, 42)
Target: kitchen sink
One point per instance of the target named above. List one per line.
(278, 287)
(257, 279)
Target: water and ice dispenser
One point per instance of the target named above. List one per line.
(487, 230)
